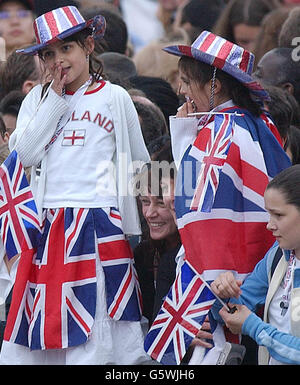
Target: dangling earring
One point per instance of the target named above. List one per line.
(212, 90)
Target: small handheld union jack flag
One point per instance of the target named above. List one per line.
(180, 318)
(19, 223)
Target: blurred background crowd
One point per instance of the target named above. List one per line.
(132, 57)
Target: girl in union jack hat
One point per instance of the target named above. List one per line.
(226, 150)
(76, 299)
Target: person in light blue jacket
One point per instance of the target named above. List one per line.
(275, 281)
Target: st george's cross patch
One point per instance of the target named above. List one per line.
(73, 138)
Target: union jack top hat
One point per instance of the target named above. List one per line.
(224, 55)
(61, 23)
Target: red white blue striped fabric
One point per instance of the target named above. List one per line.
(224, 52)
(51, 24)
(19, 223)
(211, 152)
(230, 233)
(179, 318)
(123, 292)
(221, 53)
(60, 23)
(54, 296)
(227, 230)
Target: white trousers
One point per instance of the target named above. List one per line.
(111, 342)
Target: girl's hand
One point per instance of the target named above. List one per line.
(58, 80)
(185, 109)
(235, 321)
(226, 286)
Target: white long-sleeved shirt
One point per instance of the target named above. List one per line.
(130, 146)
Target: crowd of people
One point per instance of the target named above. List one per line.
(161, 142)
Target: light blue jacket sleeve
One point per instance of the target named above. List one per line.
(282, 346)
(254, 288)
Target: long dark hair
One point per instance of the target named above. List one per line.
(288, 183)
(80, 38)
(202, 73)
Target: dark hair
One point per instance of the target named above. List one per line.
(2, 127)
(11, 103)
(41, 6)
(160, 92)
(293, 144)
(289, 29)
(154, 171)
(268, 35)
(157, 144)
(281, 110)
(203, 73)
(250, 12)
(201, 14)
(17, 69)
(116, 34)
(152, 121)
(162, 156)
(117, 65)
(288, 183)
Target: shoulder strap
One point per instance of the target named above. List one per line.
(276, 259)
(279, 266)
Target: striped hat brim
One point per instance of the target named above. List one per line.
(98, 22)
(254, 87)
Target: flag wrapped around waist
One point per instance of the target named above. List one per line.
(19, 223)
(54, 297)
(123, 294)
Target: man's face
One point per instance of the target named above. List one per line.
(268, 69)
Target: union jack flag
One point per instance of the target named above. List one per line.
(19, 223)
(123, 293)
(211, 152)
(54, 297)
(179, 318)
(229, 231)
(253, 157)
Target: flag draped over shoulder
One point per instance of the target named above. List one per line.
(229, 231)
(220, 213)
(19, 223)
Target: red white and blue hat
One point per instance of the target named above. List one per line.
(224, 55)
(61, 23)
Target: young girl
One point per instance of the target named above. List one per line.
(78, 300)
(226, 151)
(274, 281)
